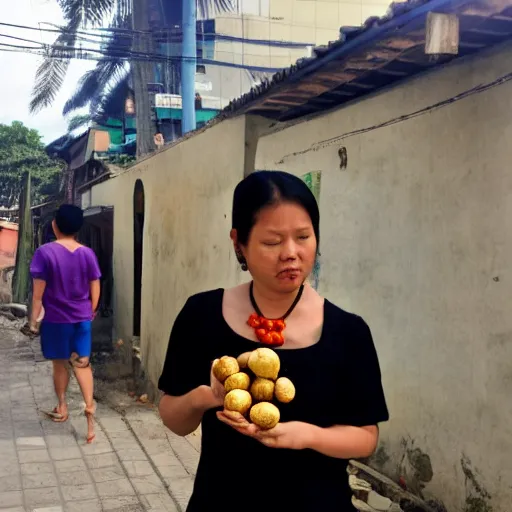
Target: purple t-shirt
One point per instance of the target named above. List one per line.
(68, 276)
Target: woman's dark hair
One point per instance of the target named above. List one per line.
(69, 219)
(264, 188)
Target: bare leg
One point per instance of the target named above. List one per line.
(83, 374)
(61, 381)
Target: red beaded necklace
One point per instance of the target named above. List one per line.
(270, 332)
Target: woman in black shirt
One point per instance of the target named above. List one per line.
(329, 355)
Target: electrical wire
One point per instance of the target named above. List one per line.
(79, 34)
(390, 122)
(72, 52)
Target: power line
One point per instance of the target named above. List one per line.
(406, 117)
(72, 52)
(164, 32)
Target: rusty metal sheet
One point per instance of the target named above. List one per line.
(338, 75)
(313, 87)
(402, 43)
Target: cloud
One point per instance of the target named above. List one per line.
(19, 69)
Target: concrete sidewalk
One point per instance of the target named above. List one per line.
(134, 464)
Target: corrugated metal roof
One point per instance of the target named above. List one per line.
(383, 51)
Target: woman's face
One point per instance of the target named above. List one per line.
(281, 249)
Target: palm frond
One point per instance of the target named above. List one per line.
(208, 8)
(51, 73)
(113, 100)
(94, 82)
(107, 73)
(87, 12)
(78, 121)
(49, 79)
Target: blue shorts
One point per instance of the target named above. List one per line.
(59, 341)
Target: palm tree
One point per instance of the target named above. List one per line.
(113, 68)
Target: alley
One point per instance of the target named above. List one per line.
(134, 464)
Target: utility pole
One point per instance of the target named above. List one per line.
(188, 66)
(143, 74)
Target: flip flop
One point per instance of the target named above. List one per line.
(90, 412)
(56, 416)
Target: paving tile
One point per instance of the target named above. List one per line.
(29, 456)
(114, 424)
(123, 503)
(161, 502)
(108, 474)
(102, 460)
(6, 445)
(138, 468)
(166, 458)
(34, 468)
(39, 480)
(26, 429)
(114, 488)
(69, 466)
(181, 489)
(123, 443)
(44, 497)
(155, 446)
(9, 466)
(74, 477)
(66, 453)
(26, 443)
(78, 492)
(149, 484)
(20, 385)
(126, 435)
(186, 453)
(60, 441)
(97, 448)
(13, 509)
(11, 499)
(131, 454)
(84, 506)
(176, 471)
(48, 509)
(10, 483)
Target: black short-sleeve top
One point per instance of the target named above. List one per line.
(337, 381)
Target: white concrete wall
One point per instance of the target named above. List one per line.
(188, 193)
(416, 236)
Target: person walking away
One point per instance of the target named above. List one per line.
(66, 290)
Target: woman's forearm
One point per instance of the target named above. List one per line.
(37, 306)
(343, 441)
(38, 288)
(95, 294)
(183, 414)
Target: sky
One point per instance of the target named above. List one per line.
(18, 69)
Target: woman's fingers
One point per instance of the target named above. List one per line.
(239, 423)
(234, 416)
(212, 377)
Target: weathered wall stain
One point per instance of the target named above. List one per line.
(414, 467)
(421, 463)
(477, 497)
(381, 457)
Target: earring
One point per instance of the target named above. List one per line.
(242, 261)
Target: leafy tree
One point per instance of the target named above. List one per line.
(21, 152)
